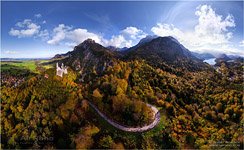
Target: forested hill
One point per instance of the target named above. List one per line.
(199, 105)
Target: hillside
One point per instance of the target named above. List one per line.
(198, 105)
(166, 53)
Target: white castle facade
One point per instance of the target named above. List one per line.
(61, 70)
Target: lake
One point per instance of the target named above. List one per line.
(210, 61)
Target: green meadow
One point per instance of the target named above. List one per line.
(30, 65)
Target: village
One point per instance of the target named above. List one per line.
(11, 81)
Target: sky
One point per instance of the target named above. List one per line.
(42, 29)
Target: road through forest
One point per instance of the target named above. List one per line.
(131, 129)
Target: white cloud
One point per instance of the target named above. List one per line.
(242, 43)
(79, 35)
(134, 33)
(167, 30)
(69, 36)
(210, 34)
(44, 35)
(72, 37)
(128, 37)
(44, 22)
(211, 26)
(118, 41)
(10, 52)
(26, 29)
(23, 23)
(38, 15)
(59, 34)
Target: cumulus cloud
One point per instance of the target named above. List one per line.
(26, 28)
(72, 37)
(38, 15)
(127, 38)
(118, 41)
(59, 34)
(79, 35)
(134, 33)
(69, 36)
(212, 26)
(23, 23)
(167, 30)
(210, 34)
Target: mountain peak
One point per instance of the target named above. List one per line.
(165, 51)
(148, 38)
(168, 38)
(173, 39)
(87, 42)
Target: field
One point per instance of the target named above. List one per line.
(41, 63)
(30, 65)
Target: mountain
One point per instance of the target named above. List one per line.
(222, 57)
(235, 57)
(164, 52)
(147, 39)
(89, 58)
(113, 48)
(203, 56)
(60, 56)
(143, 41)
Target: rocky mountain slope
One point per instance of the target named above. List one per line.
(166, 53)
(163, 52)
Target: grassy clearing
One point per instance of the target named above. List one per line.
(47, 66)
(30, 65)
(41, 63)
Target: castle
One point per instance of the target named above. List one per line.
(61, 70)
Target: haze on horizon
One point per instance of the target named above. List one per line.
(43, 29)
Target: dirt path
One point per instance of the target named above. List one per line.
(132, 129)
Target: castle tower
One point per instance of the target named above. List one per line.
(61, 70)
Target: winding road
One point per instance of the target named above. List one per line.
(131, 129)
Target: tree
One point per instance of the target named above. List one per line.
(83, 139)
(97, 94)
(219, 107)
(106, 142)
(170, 109)
(190, 139)
(118, 146)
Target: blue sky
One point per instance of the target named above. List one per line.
(43, 29)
